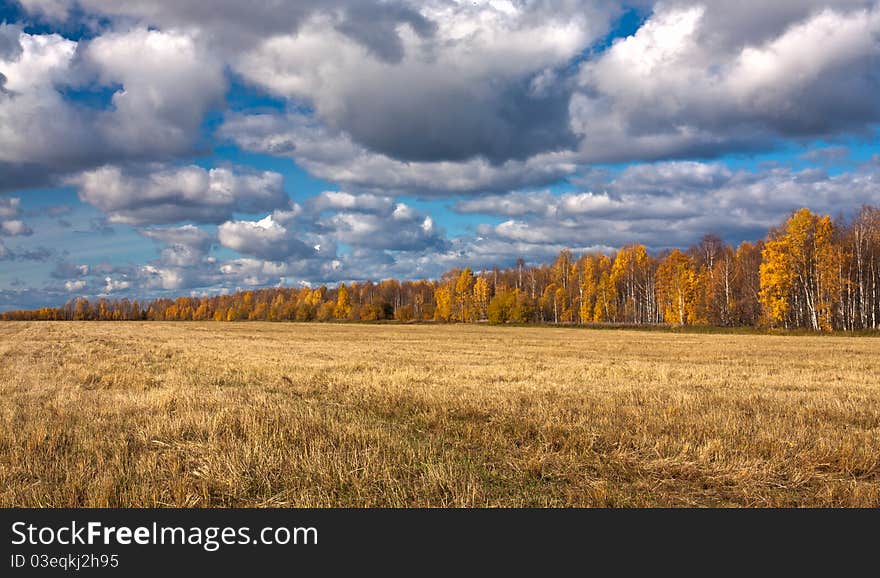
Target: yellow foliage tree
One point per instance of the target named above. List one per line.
(630, 275)
(481, 297)
(605, 309)
(343, 303)
(442, 304)
(799, 273)
(676, 283)
(464, 295)
(589, 286)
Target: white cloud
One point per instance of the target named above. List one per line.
(169, 82)
(111, 285)
(680, 86)
(468, 100)
(185, 246)
(10, 207)
(336, 200)
(515, 204)
(10, 224)
(266, 239)
(35, 122)
(74, 286)
(673, 204)
(160, 278)
(15, 228)
(449, 95)
(163, 84)
(170, 195)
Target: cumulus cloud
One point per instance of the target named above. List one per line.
(266, 239)
(688, 83)
(400, 228)
(74, 286)
(115, 285)
(234, 24)
(672, 204)
(19, 253)
(692, 83)
(290, 245)
(498, 105)
(65, 270)
(184, 259)
(515, 204)
(14, 228)
(336, 157)
(162, 85)
(171, 195)
(436, 97)
(381, 237)
(169, 81)
(185, 246)
(432, 80)
(10, 224)
(463, 94)
(10, 207)
(342, 201)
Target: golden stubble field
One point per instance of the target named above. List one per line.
(262, 414)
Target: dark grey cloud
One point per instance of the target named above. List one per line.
(234, 24)
(35, 254)
(39, 254)
(427, 97)
(65, 269)
(28, 297)
(374, 26)
(334, 156)
(730, 25)
(460, 123)
(489, 82)
(417, 81)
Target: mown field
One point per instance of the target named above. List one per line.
(261, 414)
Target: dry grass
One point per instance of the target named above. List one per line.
(257, 414)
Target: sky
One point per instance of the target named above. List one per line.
(155, 148)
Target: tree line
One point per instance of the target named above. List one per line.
(810, 272)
